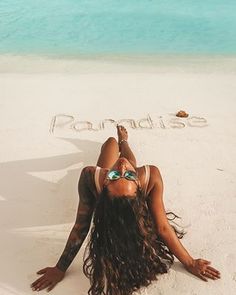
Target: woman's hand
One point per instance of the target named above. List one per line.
(202, 269)
(52, 275)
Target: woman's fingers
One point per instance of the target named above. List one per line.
(204, 271)
(37, 281)
(52, 276)
(213, 272)
(206, 261)
(213, 269)
(51, 287)
(45, 284)
(41, 285)
(42, 271)
(210, 275)
(203, 277)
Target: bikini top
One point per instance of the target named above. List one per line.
(97, 172)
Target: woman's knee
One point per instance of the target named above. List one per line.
(110, 141)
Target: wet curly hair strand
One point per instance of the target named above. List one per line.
(125, 251)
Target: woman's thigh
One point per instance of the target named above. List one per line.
(109, 153)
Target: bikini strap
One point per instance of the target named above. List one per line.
(147, 177)
(96, 178)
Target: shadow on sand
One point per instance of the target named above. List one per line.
(39, 199)
(46, 206)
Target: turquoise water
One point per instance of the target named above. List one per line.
(74, 27)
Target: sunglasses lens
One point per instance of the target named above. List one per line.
(113, 175)
(130, 175)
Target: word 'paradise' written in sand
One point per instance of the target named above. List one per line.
(63, 121)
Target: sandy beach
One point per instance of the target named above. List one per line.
(45, 142)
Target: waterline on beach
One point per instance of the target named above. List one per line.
(117, 63)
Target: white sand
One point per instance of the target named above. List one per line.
(39, 170)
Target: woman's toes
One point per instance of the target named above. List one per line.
(121, 129)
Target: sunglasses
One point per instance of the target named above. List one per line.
(129, 175)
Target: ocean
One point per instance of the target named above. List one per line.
(79, 27)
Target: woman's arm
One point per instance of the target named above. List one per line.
(52, 275)
(82, 223)
(155, 201)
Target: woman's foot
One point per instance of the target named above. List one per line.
(122, 134)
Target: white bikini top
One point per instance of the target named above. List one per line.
(97, 173)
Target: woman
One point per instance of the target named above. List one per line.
(131, 239)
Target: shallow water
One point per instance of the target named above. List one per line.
(74, 27)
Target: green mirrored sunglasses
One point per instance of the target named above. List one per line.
(129, 174)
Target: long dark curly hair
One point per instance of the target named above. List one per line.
(124, 251)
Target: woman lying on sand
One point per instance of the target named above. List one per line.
(131, 239)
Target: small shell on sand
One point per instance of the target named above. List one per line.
(182, 114)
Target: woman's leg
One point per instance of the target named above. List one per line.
(125, 150)
(109, 153)
(110, 150)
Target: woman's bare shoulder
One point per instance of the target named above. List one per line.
(152, 167)
(154, 171)
(89, 172)
(155, 175)
(89, 176)
(88, 169)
